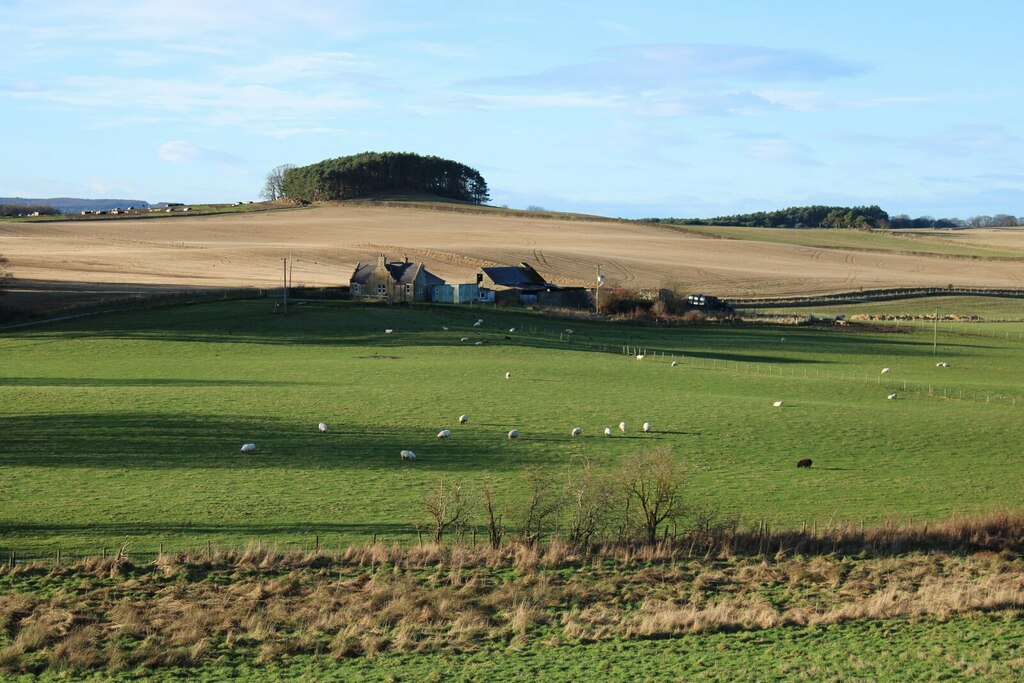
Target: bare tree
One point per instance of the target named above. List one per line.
(495, 525)
(652, 483)
(540, 511)
(589, 500)
(5, 274)
(445, 507)
(273, 188)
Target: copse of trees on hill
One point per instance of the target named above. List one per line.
(1000, 220)
(373, 173)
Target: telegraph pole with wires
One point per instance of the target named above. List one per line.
(597, 291)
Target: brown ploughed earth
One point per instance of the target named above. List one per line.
(63, 261)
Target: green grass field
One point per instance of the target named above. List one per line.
(129, 425)
(899, 243)
(985, 307)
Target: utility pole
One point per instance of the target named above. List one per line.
(935, 333)
(597, 291)
(285, 289)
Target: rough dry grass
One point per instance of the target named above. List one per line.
(185, 610)
(326, 242)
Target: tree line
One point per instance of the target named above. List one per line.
(856, 217)
(7, 210)
(373, 173)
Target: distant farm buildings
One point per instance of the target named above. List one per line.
(403, 281)
(396, 281)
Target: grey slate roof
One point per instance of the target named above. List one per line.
(401, 272)
(513, 276)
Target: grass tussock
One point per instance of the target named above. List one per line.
(184, 609)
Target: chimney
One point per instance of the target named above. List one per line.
(381, 261)
(406, 257)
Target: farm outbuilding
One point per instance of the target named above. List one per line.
(523, 285)
(393, 281)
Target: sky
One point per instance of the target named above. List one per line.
(636, 109)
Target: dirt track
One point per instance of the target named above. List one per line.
(326, 242)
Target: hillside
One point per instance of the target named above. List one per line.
(454, 240)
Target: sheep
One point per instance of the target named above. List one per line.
(508, 375)
(388, 331)
(639, 356)
(607, 431)
(576, 431)
(322, 427)
(778, 404)
(569, 331)
(444, 327)
(513, 434)
(886, 371)
(408, 455)
(479, 343)
(463, 419)
(942, 365)
(511, 329)
(464, 339)
(892, 396)
(248, 448)
(806, 462)
(478, 323)
(646, 427)
(622, 427)
(675, 363)
(444, 434)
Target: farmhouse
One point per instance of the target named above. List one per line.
(393, 281)
(522, 284)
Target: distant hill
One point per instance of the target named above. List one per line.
(76, 204)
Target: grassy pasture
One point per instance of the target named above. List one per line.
(898, 243)
(985, 307)
(129, 425)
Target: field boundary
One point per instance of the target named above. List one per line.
(870, 295)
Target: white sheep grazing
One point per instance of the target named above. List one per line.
(248, 448)
(463, 419)
(568, 331)
(639, 356)
(479, 343)
(514, 434)
(508, 375)
(778, 404)
(607, 431)
(408, 455)
(388, 331)
(886, 371)
(322, 427)
(942, 365)
(576, 431)
(675, 363)
(622, 427)
(478, 323)
(444, 434)
(892, 396)
(646, 427)
(464, 339)
(511, 329)
(444, 327)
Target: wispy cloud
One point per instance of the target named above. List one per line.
(777, 149)
(183, 152)
(969, 140)
(644, 67)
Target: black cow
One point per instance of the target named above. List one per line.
(806, 462)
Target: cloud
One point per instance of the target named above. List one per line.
(777, 149)
(968, 140)
(644, 67)
(182, 152)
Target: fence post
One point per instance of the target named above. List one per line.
(318, 543)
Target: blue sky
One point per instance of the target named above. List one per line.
(619, 108)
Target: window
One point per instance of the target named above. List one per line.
(355, 288)
(382, 290)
